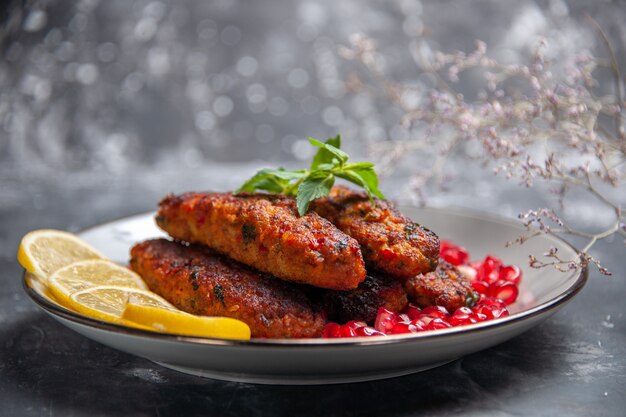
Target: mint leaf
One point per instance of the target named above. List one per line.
(359, 165)
(356, 177)
(273, 180)
(338, 153)
(307, 185)
(324, 156)
(311, 188)
(272, 184)
(369, 176)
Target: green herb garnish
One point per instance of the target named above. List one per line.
(308, 184)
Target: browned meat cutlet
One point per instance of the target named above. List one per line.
(266, 232)
(446, 286)
(363, 303)
(200, 281)
(390, 242)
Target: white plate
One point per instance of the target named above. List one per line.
(320, 361)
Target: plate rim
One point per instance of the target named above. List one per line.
(548, 305)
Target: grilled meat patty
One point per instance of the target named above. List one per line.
(445, 286)
(363, 303)
(265, 232)
(390, 242)
(200, 281)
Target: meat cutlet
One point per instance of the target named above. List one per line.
(362, 304)
(446, 286)
(200, 281)
(266, 232)
(390, 242)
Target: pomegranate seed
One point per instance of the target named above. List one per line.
(385, 320)
(436, 312)
(424, 320)
(454, 254)
(511, 273)
(489, 269)
(400, 328)
(413, 311)
(481, 287)
(491, 311)
(462, 316)
(491, 301)
(332, 330)
(437, 324)
(368, 331)
(403, 318)
(419, 324)
(480, 316)
(504, 290)
(354, 324)
(346, 331)
(495, 283)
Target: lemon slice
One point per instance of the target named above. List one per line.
(90, 273)
(107, 302)
(44, 251)
(179, 322)
(42, 289)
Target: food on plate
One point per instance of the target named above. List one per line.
(445, 286)
(200, 281)
(69, 272)
(43, 251)
(89, 273)
(266, 232)
(107, 302)
(288, 264)
(179, 322)
(390, 242)
(362, 304)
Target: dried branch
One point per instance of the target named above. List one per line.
(530, 125)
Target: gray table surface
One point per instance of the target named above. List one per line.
(572, 365)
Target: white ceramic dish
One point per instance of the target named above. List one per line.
(321, 361)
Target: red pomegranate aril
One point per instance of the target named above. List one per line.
(424, 320)
(462, 320)
(489, 269)
(491, 301)
(332, 330)
(479, 316)
(481, 287)
(413, 311)
(511, 273)
(491, 311)
(504, 290)
(437, 324)
(347, 331)
(400, 328)
(454, 254)
(419, 324)
(355, 324)
(368, 331)
(496, 284)
(438, 312)
(462, 316)
(385, 320)
(403, 318)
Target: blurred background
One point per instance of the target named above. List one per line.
(110, 97)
